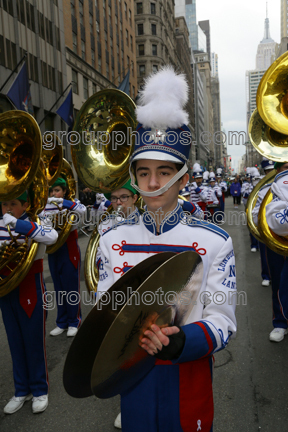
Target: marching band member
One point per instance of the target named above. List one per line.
(214, 195)
(276, 216)
(182, 353)
(198, 192)
(187, 206)
(223, 185)
(267, 165)
(254, 179)
(23, 311)
(246, 186)
(65, 263)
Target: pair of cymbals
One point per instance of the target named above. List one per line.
(105, 358)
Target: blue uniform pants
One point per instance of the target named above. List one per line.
(26, 338)
(276, 266)
(264, 265)
(254, 242)
(64, 266)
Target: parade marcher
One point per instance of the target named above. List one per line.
(267, 165)
(197, 190)
(235, 190)
(246, 185)
(65, 263)
(276, 216)
(214, 195)
(254, 179)
(23, 311)
(223, 185)
(165, 398)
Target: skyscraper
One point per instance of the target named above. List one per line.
(214, 65)
(266, 48)
(197, 36)
(284, 22)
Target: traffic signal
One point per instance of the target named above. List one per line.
(230, 159)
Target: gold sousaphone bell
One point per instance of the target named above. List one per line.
(109, 360)
(268, 132)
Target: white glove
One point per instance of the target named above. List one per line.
(9, 220)
(55, 200)
(98, 198)
(180, 201)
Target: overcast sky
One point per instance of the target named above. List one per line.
(236, 30)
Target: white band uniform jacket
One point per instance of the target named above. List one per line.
(131, 243)
(68, 206)
(277, 210)
(261, 195)
(196, 197)
(223, 184)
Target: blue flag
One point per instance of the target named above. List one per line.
(19, 92)
(124, 86)
(65, 111)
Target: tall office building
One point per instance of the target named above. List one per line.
(284, 19)
(100, 46)
(197, 36)
(35, 27)
(155, 36)
(266, 49)
(205, 27)
(214, 65)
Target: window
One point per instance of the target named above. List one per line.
(83, 50)
(94, 88)
(125, 9)
(132, 68)
(140, 29)
(130, 17)
(133, 94)
(131, 43)
(75, 81)
(141, 70)
(74, 36)
(139, 8)
(93, 58)
(44, 74)
(127, 38)
(154, 68)
(81, 13)
(107, 70)
(128, 61)
(141, 50)
(153, 9)
(153, 29)
(85, 87)
(72, 7)
(154, 50)
(91, 23)
(97, 27)
(99, 63)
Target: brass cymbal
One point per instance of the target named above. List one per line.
(83, 350)
(120, 362)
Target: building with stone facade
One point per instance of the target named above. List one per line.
(155, 36)
(35, 27)
(100, 46)
(207, 140)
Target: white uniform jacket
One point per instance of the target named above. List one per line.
(68, 207)
(131, 243)
(277, 210)
(43, 234)
(198, 194)
(223, 184)
(261, 195)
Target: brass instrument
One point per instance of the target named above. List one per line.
(20, 169)
(268, 132)
(52, 158)
(103, 168)
(252, 202)
(65, 229)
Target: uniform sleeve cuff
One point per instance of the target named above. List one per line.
(25, 227)
(200, 342)
(68, 204)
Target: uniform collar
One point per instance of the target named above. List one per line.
(23, 216)
(169, 222)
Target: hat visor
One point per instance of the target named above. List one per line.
(156, 155)
(269, 167)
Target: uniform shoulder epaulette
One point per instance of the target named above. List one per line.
(281, 174)
(209, 226)
(129, 222)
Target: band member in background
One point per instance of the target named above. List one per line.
(65, 263)
(197, 190)
(183, 369)
(276, 216)
(187, 206)
(23, 311)
(214, 196)
(223, 185)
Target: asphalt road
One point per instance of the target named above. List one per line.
(250, 376)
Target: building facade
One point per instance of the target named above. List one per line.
(266, 49)
(155, 36)
(205, 27)
(35, 27)
(214, 65)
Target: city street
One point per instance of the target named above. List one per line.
(248, 375)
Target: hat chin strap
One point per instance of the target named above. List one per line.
(160, 191)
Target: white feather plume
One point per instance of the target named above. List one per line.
(205, 175)
(197, 168)
(211, 175)
(248, 170)
(162, 100)
(219, 170)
